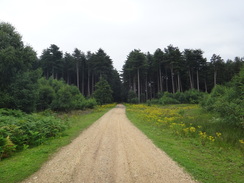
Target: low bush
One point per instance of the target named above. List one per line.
(19, 130)
(187, 97)
(90, 103)
(191, 97)
(168, 98)
(59, 96)
(228, 101)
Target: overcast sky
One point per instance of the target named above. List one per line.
(119, 26)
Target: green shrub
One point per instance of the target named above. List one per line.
(192, 97)
(27, 130)
(59, 96)
(168, 98)
(77, 100)
(181, 97)
(132, 97)
(24, 91)
(90, 103)
(103, 92)
(63, 100)
(7, 149)
(46, 97)
(228, 101)
(134, 101)
(153, 101)
(187, 97)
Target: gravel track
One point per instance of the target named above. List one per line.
(111, 150)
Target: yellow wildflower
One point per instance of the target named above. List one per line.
(192, 129)
(241, 141)
(218, 134)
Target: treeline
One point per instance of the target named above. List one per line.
(81, 69)
(54, 81)
(145, 76)
(171, 70)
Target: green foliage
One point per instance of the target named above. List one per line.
(191, 97)
(132, 97)
(103, 92)
(46, 96)
(90, 103)
(168, 99)
(63, 99)
(7, 149)
(59, 96)
(24, 91)
(17, 81)
(19, 130)
(187, 97)
(228, 100)
(68, 98)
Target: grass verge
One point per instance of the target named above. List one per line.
(208, 162)
(26, 162)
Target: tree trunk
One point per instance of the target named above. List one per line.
(160, 79)
(158, 87)
(138, 76)
(53, 73)
(47, 75)
(167, 80)
(191, 83)
(172, 79)
(77, 75)
(178, 79)
(93, 83)
(83, 82)
(88, 84)
(134, 84)
(206, 89)
(215, 78)
(198, 81)
(146, 86)
(68, 78)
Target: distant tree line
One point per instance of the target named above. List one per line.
(27, 81)
(81, 69)
(171, 70)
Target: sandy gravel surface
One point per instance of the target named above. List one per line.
(111, 150)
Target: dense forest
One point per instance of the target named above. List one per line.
(30, 83)
(173, 71)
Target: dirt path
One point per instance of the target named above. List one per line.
(111, 150)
